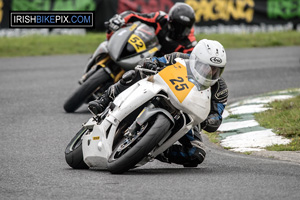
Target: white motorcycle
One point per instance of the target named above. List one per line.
(141, 123)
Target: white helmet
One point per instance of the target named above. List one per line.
(206, 64)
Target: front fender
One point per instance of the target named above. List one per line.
(147, 113)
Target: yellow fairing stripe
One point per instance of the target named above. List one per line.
(101, 63)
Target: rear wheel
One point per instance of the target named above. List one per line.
(86, 90)
(128, 152)
(73, 152)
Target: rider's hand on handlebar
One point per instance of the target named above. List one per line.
(149, 64)
(115, 23)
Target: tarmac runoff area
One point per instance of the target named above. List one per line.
(242, 133)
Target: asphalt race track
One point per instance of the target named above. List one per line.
(36, 130)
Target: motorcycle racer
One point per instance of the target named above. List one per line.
(205, 66)
(174, 30)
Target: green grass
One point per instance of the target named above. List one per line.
(289, 38)
(234, 116)
(213, 137)
(37, 45)
(284, 119)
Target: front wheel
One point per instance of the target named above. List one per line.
(73, 152)
(84, 91)
(128, 152)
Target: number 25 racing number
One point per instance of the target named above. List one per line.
(180, 86)
(137, 43)
(176, 78)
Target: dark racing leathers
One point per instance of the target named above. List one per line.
(191, 151)
(158, 20)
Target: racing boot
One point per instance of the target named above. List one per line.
(99, 105)
(190, 153)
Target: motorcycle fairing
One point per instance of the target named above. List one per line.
(184, 94)
(130, 45)
(97, 145)
(137, 43)
(176, 78)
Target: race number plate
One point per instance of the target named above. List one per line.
(137, 43)
(176, 78)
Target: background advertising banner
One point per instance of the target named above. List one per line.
(211, 15)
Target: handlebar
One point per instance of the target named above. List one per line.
(139, 68)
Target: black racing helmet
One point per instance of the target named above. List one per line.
(181, 19)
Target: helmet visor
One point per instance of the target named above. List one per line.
(178, 30)
(201, 74)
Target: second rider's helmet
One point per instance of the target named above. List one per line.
(181, 19)
(206, 63)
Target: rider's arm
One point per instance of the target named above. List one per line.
(169, 59)
(187, 44)
(218, 102)
(192, 42)
(147, 18)
(151, 19)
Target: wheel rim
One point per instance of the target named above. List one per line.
(127, 142)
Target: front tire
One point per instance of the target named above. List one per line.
(121, 161)
(73, 152)
(85, 90)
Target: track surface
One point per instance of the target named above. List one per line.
(35, 131)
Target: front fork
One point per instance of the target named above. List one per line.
(103, 63)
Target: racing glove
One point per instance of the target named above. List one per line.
(115, 23)
(151, 65)
(211, 124)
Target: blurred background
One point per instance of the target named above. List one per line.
(234, 23)
(212, 16)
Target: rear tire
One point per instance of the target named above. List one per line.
(73, 152)
(85, 90)
(134, 153)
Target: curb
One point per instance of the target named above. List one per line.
(241, 133)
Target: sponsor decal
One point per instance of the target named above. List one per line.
(144, 6)
(96, 138)
(1, 10)
(287, 9)
(216, 60)
(153, 50)
(222, 94)
(212, 10)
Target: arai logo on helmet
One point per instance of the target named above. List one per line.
(216, 60)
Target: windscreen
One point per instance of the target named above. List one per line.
(142, 39)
